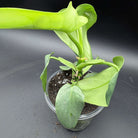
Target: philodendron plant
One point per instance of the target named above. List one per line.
(71, 26)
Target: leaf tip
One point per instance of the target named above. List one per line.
(70, 4)
(119, 61)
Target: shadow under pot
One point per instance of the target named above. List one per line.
(60, 78)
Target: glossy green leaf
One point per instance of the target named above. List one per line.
(43, 75)
(99, 88)
(77, 40)
(33, 19)
(69, 105)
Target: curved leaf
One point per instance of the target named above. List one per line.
(33, 19)
(78, 40)
(65, 38)
(65, 68)
(99, 87)
(69, 105)
(95, 62)
(88, 11)
(43, 75)
(65, 62)
(119, 61)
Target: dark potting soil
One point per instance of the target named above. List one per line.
(57, 82)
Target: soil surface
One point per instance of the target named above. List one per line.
(57, 82)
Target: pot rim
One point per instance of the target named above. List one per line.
(52, 107)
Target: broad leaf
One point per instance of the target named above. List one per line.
(90, 74)
(33, 19)
(69, 105)
(43, 75)
(99, 88)
(111, 87)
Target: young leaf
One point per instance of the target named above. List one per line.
(68, 68)
(77, 40)
(90, 74)
(65, 62)
(89, 12)
(98, 88)
(65, 38)
(43, 75)
(118, 60)
(69, 104)
(33, 19)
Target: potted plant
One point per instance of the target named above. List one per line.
(74, 86)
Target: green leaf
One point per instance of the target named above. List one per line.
(99, 87)
(90, 74)
(118, 60)
(33, 19)
(77, 40)
(111, 87)
(43, 75)
(65, 62)
(65, 38)
(68, 68)
(69, 105)
(89, 12)
(95, 62)
(64, 68)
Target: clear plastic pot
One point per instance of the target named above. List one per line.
(84, 119)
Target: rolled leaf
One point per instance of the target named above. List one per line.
(88, 11)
